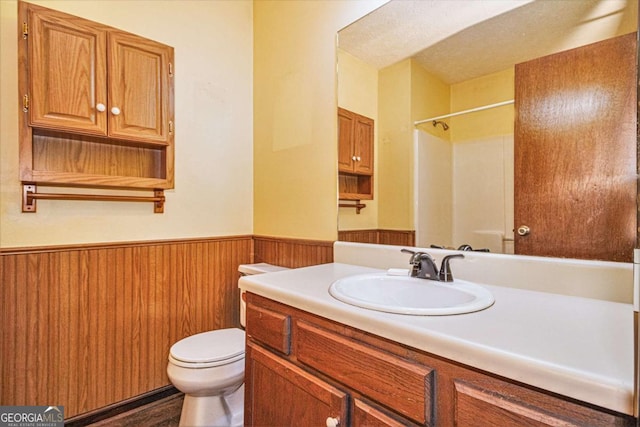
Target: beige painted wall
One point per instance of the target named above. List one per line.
(214, 128)
(484, 90)
(295, 125)
(395, 146)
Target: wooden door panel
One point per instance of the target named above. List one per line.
(279, 393)
(140, 88)
(68, 73)
(365, 415)
(490, 402)
(575, 152)
(364, 150)
(346, 123)
(405, 386)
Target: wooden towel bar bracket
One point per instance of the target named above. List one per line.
(30, 196)
(359, 206)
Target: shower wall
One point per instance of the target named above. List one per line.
(433, 190)
(464, 192)
(483, 193)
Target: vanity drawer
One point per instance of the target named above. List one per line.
(269, 327)
(406, 387)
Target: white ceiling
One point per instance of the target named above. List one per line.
(461, 39)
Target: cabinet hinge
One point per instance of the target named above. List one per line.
(25, 30)
(170, 127)
(25, 103)
(170, 69)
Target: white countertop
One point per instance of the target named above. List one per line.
(578, 347)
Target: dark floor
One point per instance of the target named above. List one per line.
(160, 413)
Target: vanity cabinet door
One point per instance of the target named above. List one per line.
(278, 393)
(491, 402)
(68, 73)
(365, 415)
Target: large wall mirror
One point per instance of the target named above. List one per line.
(447, 170)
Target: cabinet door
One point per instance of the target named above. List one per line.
(365, 415)
(140, 88)
(495, 403)
(363, 145)
(67, 59)
(278, 393)
(346, 126)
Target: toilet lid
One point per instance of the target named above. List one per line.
(213, 347)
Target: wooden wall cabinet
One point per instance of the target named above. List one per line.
(304, 370)
(355, 156)
(97, 104)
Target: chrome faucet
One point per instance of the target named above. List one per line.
(423, 266)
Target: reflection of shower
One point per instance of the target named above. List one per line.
(440, 122)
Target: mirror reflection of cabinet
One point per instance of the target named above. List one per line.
(355, 156)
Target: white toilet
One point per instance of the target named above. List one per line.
(209, 369)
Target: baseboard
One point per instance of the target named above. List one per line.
(120, 407)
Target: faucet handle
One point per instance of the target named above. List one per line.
(415, 267)
(422, 265)
(445, 274)
(414, 255)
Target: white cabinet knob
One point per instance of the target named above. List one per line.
(115, 111)
(354, 158)
(333, 422)
(358, 158)
(523, 230)
(101, 107)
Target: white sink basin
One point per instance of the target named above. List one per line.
(409, 295)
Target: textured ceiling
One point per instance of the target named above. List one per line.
(462, 39)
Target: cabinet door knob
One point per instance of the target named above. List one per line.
(358, 158)
(333, 422)
(101, 107)
(523, 230)
(354, 158)
(115, 111)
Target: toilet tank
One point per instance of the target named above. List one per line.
(249, 270)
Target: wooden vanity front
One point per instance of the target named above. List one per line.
(303, 369)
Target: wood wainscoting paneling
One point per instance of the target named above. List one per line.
(292, 253)
(86, 326)
(379, 236)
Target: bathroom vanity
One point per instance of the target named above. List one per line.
(533, 358)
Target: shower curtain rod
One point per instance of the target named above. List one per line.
(472, 110)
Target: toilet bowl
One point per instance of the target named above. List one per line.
(209, 369)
